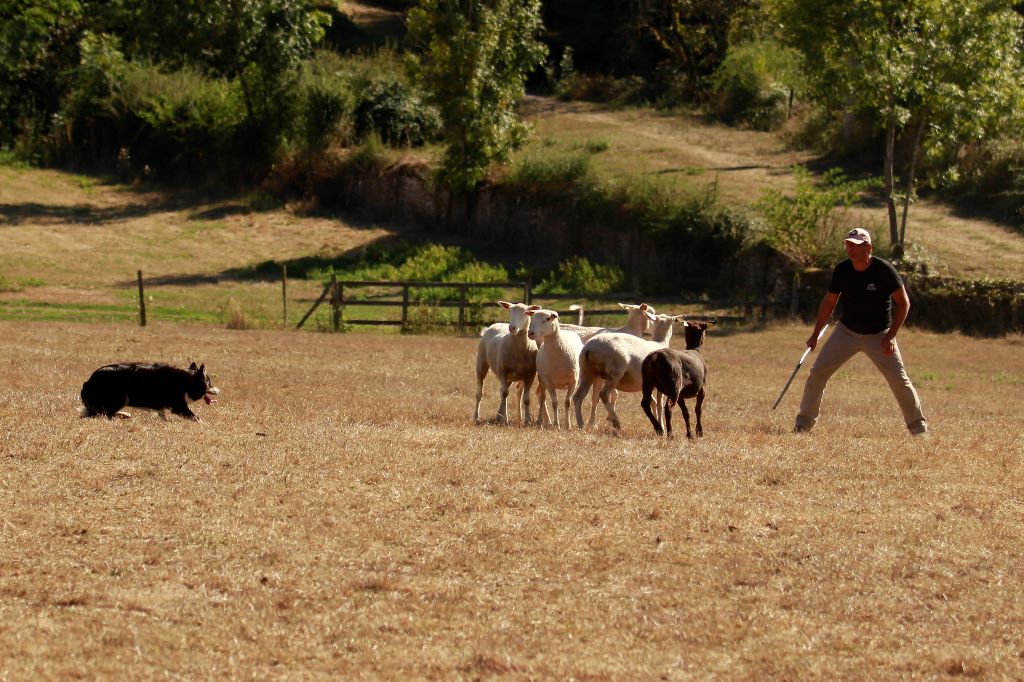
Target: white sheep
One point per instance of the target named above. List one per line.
(558, 362)
(506, 350)
(616, 359)
(638, 323)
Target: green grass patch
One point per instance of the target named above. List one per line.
(37, 311)
(8, 285)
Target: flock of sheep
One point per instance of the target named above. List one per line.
(577, 359)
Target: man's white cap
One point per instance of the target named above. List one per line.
(858, 235)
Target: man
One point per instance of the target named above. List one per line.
(875, 306)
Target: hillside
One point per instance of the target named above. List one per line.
(745, 163)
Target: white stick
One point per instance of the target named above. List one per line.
(796, 369)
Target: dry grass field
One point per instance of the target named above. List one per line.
(338, 515)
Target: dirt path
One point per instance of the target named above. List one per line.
(745, 163)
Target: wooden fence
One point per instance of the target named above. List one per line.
(341, 295)
(334, 293)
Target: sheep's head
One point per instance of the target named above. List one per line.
(694, 332)
(640, 316)
(518, 315)
(542, 323)
(663, 324)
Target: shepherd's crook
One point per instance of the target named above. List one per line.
(797, 369)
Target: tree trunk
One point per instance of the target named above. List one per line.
(896, 248)
(911, 174)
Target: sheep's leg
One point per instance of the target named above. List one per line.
(697, 409)
(669, 404)
(609, 386)
(553, 394)
(502, 417)
(686, 417)
(645, 403)
(481, 374)
(568, 399)
(543, 417)
(586, 379)
(527, 385)
(519, 390)
(594, 399)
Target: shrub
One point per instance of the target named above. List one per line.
(631, 90)
(752, 85)
(983, 306)
(578, 275)
(805, 226)
(396, 112)
(541, 168)
(327, 101)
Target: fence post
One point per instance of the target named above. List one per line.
(284, 295)
(528, 292)
(463, 289)
(142, 302)
(405, 306)
(335, 303)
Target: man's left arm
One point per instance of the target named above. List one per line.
(900, 309)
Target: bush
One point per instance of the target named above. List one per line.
(326, 102)
(805, 227)
(993, 173)
(578, 276)
(631, 90)
(752, 85)
(984, 306)
(546, 169)
(396, 112)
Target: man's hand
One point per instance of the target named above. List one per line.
(812, 341)
(888, 345)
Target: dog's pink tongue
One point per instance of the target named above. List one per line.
(209, 399)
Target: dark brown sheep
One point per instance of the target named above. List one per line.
(677, 375)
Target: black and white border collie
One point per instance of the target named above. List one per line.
(151, 386)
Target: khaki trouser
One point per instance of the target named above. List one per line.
(842, 345)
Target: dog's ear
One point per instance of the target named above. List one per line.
(202, 368)
(192, 366)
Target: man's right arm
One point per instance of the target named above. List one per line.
(828, 304)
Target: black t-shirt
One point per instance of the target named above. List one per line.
(866, 297)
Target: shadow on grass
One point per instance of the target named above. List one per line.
(391, 250)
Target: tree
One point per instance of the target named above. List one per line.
(472, 59)
(944, 72)
(693, 32)
(260, 43)
(38, 40)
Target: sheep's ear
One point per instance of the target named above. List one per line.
(505, 304)
(553, 316)
(530, 312)
(712, 323)
(627, 306)
(680, 318)
(533, 307)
